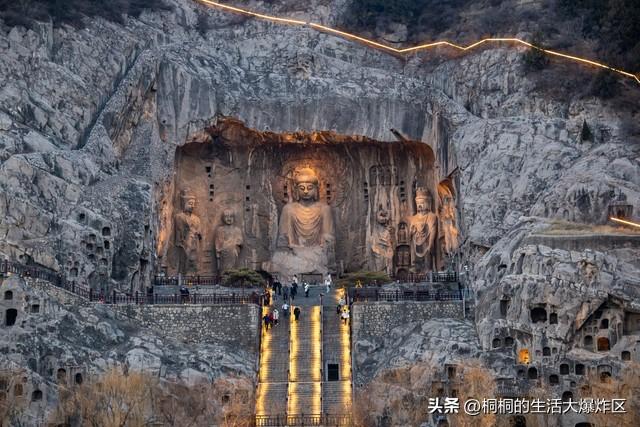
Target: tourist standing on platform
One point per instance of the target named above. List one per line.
(285, 309)
(327, 282)
(276, 316)
(285, 292)
(296, 313)
(345, 316)
(294, 290)
(306, 290)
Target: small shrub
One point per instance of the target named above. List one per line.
(534, 59)
(364, 278)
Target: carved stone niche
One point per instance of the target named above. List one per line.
(342, 203)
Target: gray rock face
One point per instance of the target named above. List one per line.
(57, 333)
(90, 121)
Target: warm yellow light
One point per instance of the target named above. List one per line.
(622, 221)
(265, 359)
(424, 46)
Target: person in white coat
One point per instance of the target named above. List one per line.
(327, 282)
(276, 316)
(345, 316)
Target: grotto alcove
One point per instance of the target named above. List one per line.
(232, 185)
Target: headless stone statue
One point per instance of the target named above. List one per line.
(423, 228)
(187, 236)
(228, 242)
(382, 242)
(306, 237)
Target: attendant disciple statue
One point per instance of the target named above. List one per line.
(382, 244)
(228, 242)
(187, 236)
(422, 231)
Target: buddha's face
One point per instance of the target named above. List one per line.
(189, 205)
(228, 218)
(307, 191)
(422, 206)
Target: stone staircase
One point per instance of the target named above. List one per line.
(305, 364)
(293, 386)
(273, 379)
(336, 394)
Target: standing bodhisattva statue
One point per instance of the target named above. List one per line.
(228, 242)
(187, 236)
(423, 229)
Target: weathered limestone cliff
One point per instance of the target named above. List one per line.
(90, 121)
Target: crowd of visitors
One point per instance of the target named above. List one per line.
(288, 293)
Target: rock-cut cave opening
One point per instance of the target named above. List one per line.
(304, 203)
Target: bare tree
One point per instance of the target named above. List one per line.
(477, 382)
(626, 386)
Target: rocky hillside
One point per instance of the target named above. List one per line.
(91, 115)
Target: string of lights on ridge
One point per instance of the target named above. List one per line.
(424, 46)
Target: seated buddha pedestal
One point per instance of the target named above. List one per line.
(306, 236)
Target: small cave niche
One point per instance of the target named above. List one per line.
(532, 373)
(625, 356)
(78, 378)
(524, 356)
(35, 308)
(604, 323)
(538, 315)
(10, 317)
(508, 341)
(603, 344)
(73, 272)
(36, 396)
(567, 396)
(579, 369)
(546, 351)
(107, 244)
(588, 341)
(504, 306)
(61, 376)
(451, 372)
(553, 318)
(564, 369)
(106, 231)
(597, 314)
(496, 343)
(82, 217)
(8, 295)
(554, 379)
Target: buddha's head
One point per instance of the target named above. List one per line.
(228, 216)
(423, 200)
(188, 201)
(306, 182)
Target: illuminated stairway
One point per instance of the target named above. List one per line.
(271, 395)
(305, 363)
(336, 393)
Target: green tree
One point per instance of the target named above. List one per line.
(242, 277)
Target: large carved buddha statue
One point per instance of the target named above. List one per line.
(228, 242)
(306, 221)
(306, 237)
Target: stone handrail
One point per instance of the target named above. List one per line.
(372, 294)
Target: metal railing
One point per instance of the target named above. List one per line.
(373, 294)
(433, 276)
(325, 420)
(115, 297)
